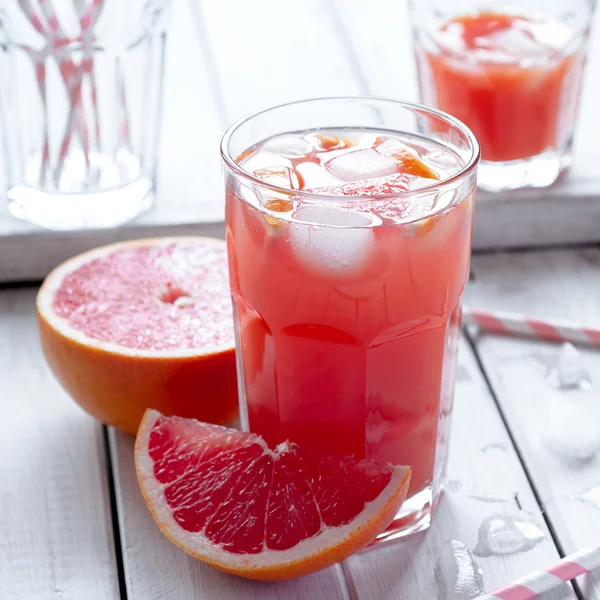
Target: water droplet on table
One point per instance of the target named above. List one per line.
(591, 496)
(495, 447)
(508, 534)
(457, 573)
(480, 493)
(462, 373)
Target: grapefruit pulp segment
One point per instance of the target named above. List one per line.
(229, 500)
(145, 323)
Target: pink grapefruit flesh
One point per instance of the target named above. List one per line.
(226, 498)
(143, 324)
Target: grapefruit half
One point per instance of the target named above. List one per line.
(140, 324)
(229, 500)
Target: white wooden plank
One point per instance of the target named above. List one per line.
(559, 436)
(382, 37)
(32, 257)
(485, 481)
(565, 214)
(155, 569)
(189, 161)
(267, 52)
(56, 539)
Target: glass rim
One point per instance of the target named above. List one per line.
(466, 170)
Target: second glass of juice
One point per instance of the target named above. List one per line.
(349, 236)
(512, 74)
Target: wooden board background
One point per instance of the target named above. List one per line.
(227, 58)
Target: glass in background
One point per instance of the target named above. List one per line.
(80, 99)
(512, 73)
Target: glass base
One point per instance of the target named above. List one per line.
(415, 515)
(95, 210)
(538, 172)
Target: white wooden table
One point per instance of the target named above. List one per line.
(73, 525)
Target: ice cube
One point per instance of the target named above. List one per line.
(551, 33)
(407, 158)
(389, 185)
(570, 370)
(289, 146)
(570, 424)
(508, 534)
(280, 176)
(331, 239)
(443, 160)
(315, 175)
(389, 146)
(473, 67)
(264, 159)
(323, 214)
(513, 44)
(457, 573)
(361, 164)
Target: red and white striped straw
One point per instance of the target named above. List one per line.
(538, 582)
(516, 324)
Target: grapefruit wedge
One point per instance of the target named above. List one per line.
(230, 501)
(141, 324)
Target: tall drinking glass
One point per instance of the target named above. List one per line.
(80, 99)
(512, 74)
(349, 234)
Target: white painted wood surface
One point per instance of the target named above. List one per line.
(230, 57)
(56, 533)
(485, 481)
(266, 54)
(557, 435)
(56, 539)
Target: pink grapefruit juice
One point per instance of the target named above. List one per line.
(513, 79)
(347, 270)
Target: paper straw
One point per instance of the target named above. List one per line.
(517, 324)
(538, 582)
(75, 84)
(48, 25)
(38, 58)
(87, 20)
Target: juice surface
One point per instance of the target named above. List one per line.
(348, 308)
(513, 79)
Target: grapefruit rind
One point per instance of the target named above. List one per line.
(332, 545)
(116, 384)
